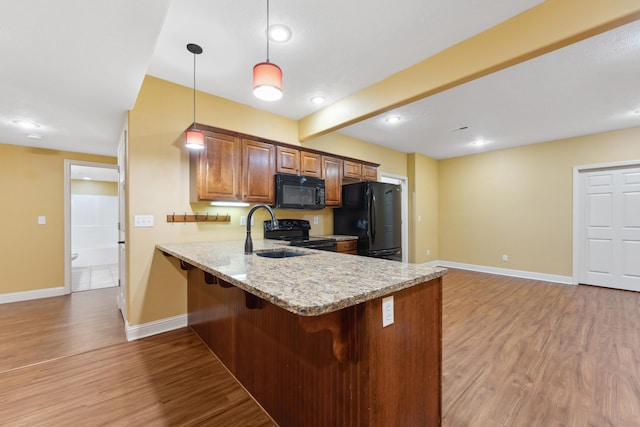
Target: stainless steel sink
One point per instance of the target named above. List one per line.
(281, 253)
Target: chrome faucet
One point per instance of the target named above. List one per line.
(248, 243)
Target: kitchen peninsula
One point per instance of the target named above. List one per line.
(304, 334)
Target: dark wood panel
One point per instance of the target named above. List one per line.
(332, 174)
(335, 369)
(406, 358)
(287, 160)
(219, 168)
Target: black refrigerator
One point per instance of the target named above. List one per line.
(372, 211)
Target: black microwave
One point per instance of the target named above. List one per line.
(299, 192)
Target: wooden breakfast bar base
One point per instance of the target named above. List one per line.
(336, 369)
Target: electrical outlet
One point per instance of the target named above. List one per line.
(505, 258)
(143, 221)
(42, 219)
(428, 252)
(315, 219)
(387, 311)
(243, 220)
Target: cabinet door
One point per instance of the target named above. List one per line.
(310, 164)
(218, 171)
(258, 169)
(332, 174)
(347, 247)
(369, 173)
(287, 160)
(352, 170)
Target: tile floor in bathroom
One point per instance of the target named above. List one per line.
(94, 277)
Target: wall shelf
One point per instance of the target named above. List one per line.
(198, 218)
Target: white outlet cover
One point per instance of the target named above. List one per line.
(387, 311)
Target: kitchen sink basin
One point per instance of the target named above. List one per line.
(282, 253)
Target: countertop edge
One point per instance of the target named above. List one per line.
(313, 310)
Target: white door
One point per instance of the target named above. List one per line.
(610, 248)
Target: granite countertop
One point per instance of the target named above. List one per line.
(311, 285)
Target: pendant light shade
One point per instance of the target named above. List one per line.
(194, 138)
(267, 77)
(267, 81)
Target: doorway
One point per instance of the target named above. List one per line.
(607, 226)
(402, 182)
(91, 226)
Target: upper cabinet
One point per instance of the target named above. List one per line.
(310, 164)
(234, 169)
(238, 167)
(359, 171)
(216, 169)
(298, 162)
(258, 169)
(332, 174)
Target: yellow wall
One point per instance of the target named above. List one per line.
(423, 208)
(31, 185)
(158, 184)
(97, 188)
(519, 201)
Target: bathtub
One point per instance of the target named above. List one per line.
(85, 257)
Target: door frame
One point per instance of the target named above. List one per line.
(404, 181)
(577, 195)
(68, 163)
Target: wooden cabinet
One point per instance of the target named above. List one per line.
(332, 174)
(217, 169)
(347, 246)
(258, 169)
(287, 160)
(369, 173)
(233, 169)
(239, 167)
(359, 171)
(310, 164)
(298, 162)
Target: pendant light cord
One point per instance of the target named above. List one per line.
(267, 30)
(194, 91)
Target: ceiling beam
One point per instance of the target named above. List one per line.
(544, 28)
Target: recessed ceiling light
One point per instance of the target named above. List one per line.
(393, 119)
(26, 124)
(279, 33)
(32, 136)
(637, 112)
(479, 141)
(318, 99)
(87, 178)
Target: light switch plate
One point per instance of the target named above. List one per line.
(143, 221)
(387, 311)
(42, 219)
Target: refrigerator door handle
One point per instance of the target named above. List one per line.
(372, 215)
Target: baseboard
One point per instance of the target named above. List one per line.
(565, 280)
(30, 295)
(156, 327)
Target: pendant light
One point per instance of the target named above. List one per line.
(267, 77)
(194, 138)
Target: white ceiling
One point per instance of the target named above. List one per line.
(75, 67)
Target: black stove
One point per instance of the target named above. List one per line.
(296, 231)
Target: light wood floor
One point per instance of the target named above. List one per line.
(64, 361)
(525, 353)
(516, 353)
